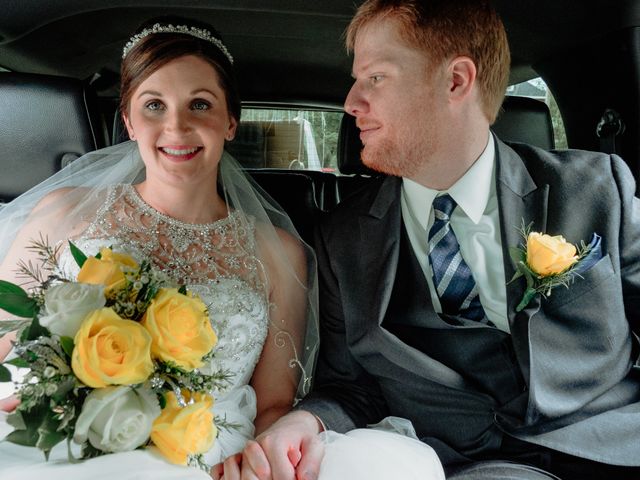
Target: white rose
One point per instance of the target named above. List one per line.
(117, 419)
(68, 304)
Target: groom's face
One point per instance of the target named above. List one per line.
(396, 99)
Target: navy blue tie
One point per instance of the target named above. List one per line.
(452, 277)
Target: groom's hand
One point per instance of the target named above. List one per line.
(288, 450)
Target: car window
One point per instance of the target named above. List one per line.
(293, 139)
(537, 88)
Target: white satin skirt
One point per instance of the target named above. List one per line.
(388, 450)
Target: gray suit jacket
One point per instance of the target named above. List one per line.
(576, 349)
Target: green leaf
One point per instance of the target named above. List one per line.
(77, 254)
(34, 331)
(5, 374)
(7, 326)
(48, 435)
(529, 293)
(15, 420)
(26, 426)
(16, 301)
(8, 287)
(67, 345)
(528, 274)
(18, 362)
(517, 255)
(22, 437)
(63, 389)
(18, 305)
(182, 289)
(162, 400)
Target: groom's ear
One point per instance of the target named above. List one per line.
(127, 123)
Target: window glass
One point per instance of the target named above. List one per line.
(537, 88)
(290, 139)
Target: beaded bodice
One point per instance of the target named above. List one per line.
(218, 261)
(188, 253)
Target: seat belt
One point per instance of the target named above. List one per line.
(609, 127)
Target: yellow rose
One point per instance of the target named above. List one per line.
(180, 328)
(547, 255)
(107, 271)
(182, 431)
(111, 351)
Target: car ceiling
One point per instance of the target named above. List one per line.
(285, 50)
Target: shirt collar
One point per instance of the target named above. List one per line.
(471, 192)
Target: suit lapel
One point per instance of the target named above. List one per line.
(520, 200)
(380, 233)
(380, 230)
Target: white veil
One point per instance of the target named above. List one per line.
(63, 205)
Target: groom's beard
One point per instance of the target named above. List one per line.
(403, 155)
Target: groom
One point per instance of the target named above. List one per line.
(419, 318)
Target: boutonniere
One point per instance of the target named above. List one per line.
(549, 261)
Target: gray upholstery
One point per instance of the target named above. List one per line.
(45, 122)
(525, 120)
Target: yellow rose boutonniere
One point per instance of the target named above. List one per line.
(548, 261)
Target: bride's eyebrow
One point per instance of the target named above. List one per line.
(205, 90)
(150, 92)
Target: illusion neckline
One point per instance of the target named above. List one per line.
(148, 209)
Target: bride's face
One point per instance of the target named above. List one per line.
(179, 118)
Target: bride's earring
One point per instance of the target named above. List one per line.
(127, 125)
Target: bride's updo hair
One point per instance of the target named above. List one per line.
(143, 56)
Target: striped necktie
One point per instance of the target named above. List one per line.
(452, 277)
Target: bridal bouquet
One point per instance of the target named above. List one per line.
(113, 358)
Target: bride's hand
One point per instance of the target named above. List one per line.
(9, 404)
(251, 464)
(6, 344)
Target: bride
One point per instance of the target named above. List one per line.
(173, 195)
(156, 197)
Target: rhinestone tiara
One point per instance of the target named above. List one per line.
(200, 33)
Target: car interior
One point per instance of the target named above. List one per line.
(60, 64)
(59, 86)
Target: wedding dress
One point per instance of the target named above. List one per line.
(220, 263)
(217, 261)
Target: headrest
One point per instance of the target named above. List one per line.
(525, 120)
(349, 147)
(45, 122)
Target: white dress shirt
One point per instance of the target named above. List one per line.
(476, 225)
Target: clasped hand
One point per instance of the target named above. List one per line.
(288, 450)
